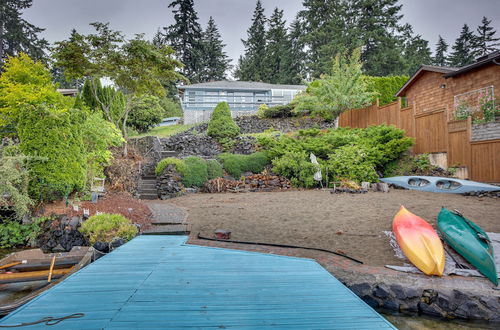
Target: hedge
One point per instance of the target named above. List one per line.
(236, 164)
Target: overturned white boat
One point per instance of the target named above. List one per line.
(439, 184)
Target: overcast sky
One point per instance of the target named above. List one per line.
(428, 17)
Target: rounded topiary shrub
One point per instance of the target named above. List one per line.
(106, 227)
(162, 165)
(236, 164)
(221, 125)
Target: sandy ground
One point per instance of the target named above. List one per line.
(352, 224)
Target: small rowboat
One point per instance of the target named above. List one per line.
(469, 240)
(419, 241)
(439, 184)
(26, 274)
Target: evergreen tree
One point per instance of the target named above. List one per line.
(184, 36)
(250, 65)
(486, 41)
(18, 35)
(416, 51)
(463, 49)
(276, 51)
(440, 57)
(215, 60)
(295, 60)
(325, 33)
(376, 22)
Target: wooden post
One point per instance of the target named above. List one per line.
(51, 268)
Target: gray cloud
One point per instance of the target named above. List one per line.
(428, 17)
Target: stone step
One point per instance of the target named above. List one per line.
(166, 223)
(148, 178)
(168, 153)
(148, 196)
(148, 192)
(180, 229)
(147, 186)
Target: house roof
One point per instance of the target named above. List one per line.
(421, 70)
(239, 85)
(481, 61)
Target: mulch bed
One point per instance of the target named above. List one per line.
(115, 202)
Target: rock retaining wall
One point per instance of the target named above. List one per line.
(448, 304)
(169, 184)
(254, 124)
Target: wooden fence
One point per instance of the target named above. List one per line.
(433, 133)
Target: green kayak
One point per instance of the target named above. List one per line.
(469, 240)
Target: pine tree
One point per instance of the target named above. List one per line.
(215, 60)
(486, 41)
(295, 59)
(184, 36)
(250, 65)
(276, 50)
(440, 57)
(18, 35)
(463, 49)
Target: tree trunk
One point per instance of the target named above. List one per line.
(2, 50)
(128, 106)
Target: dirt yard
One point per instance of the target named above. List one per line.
(351, 224)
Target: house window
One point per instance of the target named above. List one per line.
(478, 104)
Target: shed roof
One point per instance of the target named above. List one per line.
(239, 85)
(449, 72)
(420, 71)
(481, 61)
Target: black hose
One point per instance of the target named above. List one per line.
(280, 245)
(49, 320)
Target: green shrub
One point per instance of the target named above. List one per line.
(105, 227)
(195, 172)
(352, 163)
(236, 164)
(354, 154)
(14, 233)
(14, 180)
(146, 112)
(162, 165)
(214, 169)
(221, 124)
(296, 166)
(278, 111)
(57, 136)
(385, 87)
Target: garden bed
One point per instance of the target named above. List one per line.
(119, 203)
(351, 224)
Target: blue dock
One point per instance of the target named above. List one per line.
(161, 282)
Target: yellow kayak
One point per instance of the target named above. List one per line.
(419, 241)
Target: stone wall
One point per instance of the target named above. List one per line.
(254, 124)
(488, 131)
(201, 116)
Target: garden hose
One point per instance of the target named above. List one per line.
(281, 245)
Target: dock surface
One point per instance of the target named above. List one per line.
(161, 282)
